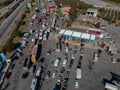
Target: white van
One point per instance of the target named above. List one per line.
(33, 84)
(56, 62)
(65, 62)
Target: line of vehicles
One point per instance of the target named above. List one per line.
(36, 80)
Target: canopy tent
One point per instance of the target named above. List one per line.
(92, 38)
(79, 35)
(76, 34)
(62, 31)
(68, 33)
(85, 36)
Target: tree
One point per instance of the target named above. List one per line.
(97, 24)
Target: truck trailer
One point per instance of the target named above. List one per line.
(78, 74)
(109, 86)
(34, 53)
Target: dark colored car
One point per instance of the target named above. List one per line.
(62, 70)
(47, 74)
(12, 66)
(71, 61)
(7, 75)
(25, 75)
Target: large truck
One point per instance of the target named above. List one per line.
(78, 74)
(109, 86)
(31, 46)
(34, 54)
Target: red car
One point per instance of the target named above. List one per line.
(81, 57)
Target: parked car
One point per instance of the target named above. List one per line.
(25, 75)
(48, 52)
(11, 66)
(65, 62)
(54, 73)
(114, 60)
(39, 71)
(62, 70)
(57, 61)
(95, 56)
(76, 84)
(71, 61)
(59, 80)
(32, 69)
(47, 74)
(34, 83)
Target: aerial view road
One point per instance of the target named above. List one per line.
(6, 9)
(7, 22)
(53, 57)
(102, 4)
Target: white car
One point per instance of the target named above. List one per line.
(56, 62)
(44, 37)
(65, 62)
(59, 80)
(73, 56)
(38, 71)
(95, 57)
(54, 73)
(114, 60)
(76, 84)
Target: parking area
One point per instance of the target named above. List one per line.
(61, 64)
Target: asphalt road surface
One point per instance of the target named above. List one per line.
(6, 9)
(102, 4)
(7, 22)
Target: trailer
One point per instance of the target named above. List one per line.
(109, 86)
(31, 46)
(34, 54)
(78, 73)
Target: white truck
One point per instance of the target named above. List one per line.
(78, 73)
(109, 86)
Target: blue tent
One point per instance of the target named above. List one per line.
(3, 57)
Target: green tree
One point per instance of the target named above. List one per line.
(97, 24)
